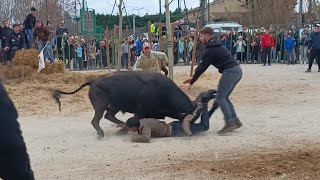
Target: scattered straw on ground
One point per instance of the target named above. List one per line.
(291, 164)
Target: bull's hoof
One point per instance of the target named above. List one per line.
(121, 132)
(100, 136)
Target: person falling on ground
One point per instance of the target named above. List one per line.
(151, 61)
(217, 55)
(152, 128)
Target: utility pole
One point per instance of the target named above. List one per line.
(202, 4)
(120, 35)
(46, 9)
(208, 6)
(300, 14)
(134, 24)
(178, 4)
(160, 10)
(169, 35)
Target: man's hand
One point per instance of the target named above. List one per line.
(6, 49)
(186, 85)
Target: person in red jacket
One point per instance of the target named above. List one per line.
(267, 44)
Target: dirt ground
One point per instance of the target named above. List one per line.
(278, 106)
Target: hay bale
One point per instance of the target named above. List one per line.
(27, 57)
(52, 68)
(16, 71)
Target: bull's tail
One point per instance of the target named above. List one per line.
(57, 93)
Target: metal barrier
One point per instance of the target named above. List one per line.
(102, 50)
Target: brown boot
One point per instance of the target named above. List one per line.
(238, 122)
(228, 128)
(186, 124)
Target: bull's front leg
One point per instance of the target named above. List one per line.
(111, 116)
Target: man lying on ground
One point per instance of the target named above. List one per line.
(152, 128)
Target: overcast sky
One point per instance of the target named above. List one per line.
(132, 6)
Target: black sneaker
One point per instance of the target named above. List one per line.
(308, 70)
(228, 128)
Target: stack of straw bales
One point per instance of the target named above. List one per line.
(25, 63)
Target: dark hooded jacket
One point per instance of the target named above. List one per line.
(217, 55)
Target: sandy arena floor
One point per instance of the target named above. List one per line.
(280, 139)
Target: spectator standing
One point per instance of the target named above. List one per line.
(79, 56)
(267, 44)
(190, 48)
(314, 47)
(240, 46)
(139, 44)
(181, 49)
(289, 44)
(255, 45)
(22, 30)
(304, 42)
(124, 54)
(92, 54)
(29, 23)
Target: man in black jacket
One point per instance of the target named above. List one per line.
(29, 23)
(6, 30)
(15, 41)
(14, 159)
(314, 47)
(217, 55)
(22, 30)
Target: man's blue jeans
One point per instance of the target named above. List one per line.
(229, 80)
(30, 37)
(48, 52)
(290, 56)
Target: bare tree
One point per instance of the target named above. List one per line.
(267, 12)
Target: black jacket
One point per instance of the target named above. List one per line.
(314, 41)
(5, 33)
(16, 39)
(29, 21)
(217, 55)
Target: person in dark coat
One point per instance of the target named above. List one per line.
(14, 159)
(29, 23)
(22, 30)
(6, 30)
(15, 41)
(217, 55)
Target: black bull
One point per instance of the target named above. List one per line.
(14, 159)
(145, 94)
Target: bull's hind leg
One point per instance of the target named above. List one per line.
(111, 116)
(95, 122)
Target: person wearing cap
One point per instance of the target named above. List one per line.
(314, 47)
(44, 35)
(152, 61)
(29, 23)
(15, 41)
(217, 55)
(153, 128)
